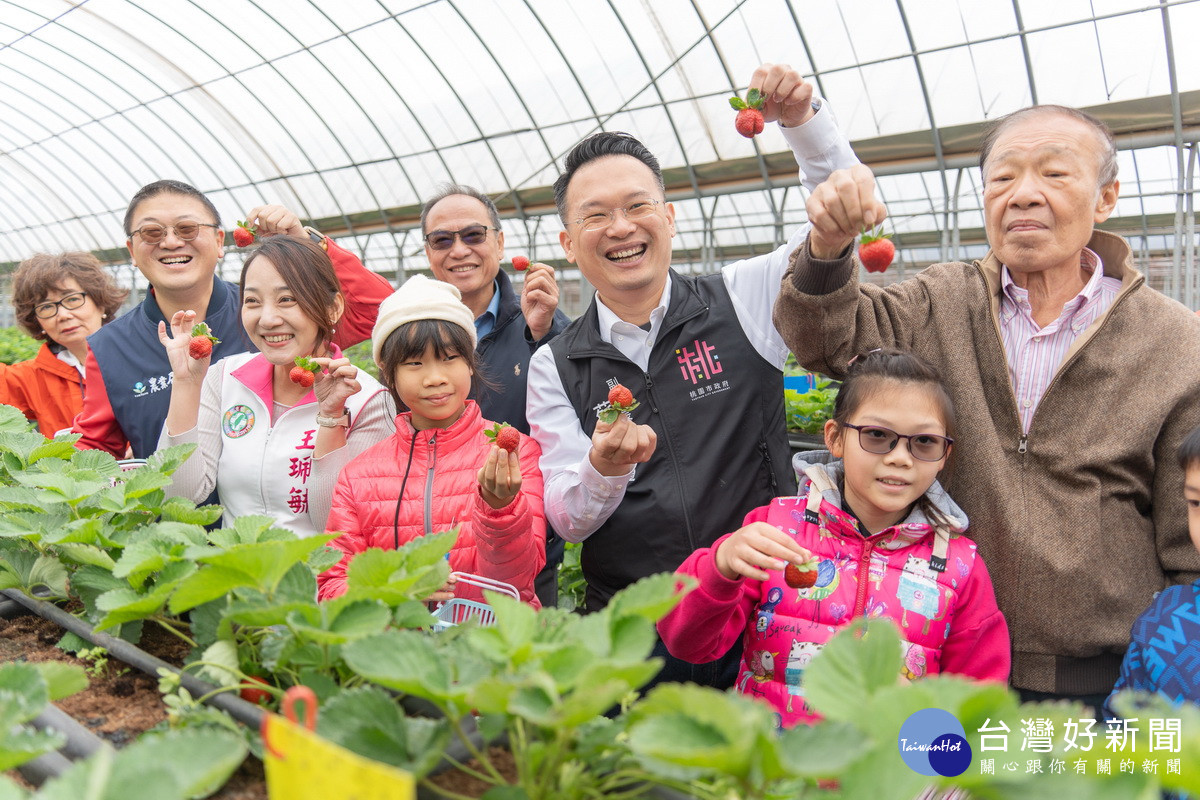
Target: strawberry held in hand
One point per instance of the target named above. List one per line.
(749, 122)
(802, 575)
(620, 401)
(305, 372)
(520, 263)
(202, 342)
(876, 251)
(244, 233)
(504, 436)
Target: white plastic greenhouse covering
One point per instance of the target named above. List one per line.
(351, 111)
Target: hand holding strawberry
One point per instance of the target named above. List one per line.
(749, 122)
(201, 344)
(620, 401)
(801, 575)
(757, 551)
(244, 233)
(305, 371)
(500, 476)
(504, 436)
(876, 251)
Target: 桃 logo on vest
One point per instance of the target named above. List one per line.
(700, 365)
(238, 421)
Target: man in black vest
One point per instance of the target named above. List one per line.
(464, 244)
(708, 442)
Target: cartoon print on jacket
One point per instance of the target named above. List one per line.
(919, 592)
(828, 578)
(799, 657)
(914, 660)
(766, 609)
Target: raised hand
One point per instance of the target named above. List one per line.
(500, 477)
(618, 445)
(840, 209)
(787, 97)
(178, 345)
(335, 382)
(539, 299)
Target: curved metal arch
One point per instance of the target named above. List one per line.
(115, 111)
(776, 212)
(520, 98)
(933, 130)
(51, 134)
(485, 140)
(320, 174)
(31, 230)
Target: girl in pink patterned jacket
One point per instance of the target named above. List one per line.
(439, 470)
(871, 533)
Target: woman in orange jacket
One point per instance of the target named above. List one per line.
(60, 300)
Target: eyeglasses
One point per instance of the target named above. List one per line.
(471, 236)
(639, 209)
(69, 302)
(153, 234)
(880, 440)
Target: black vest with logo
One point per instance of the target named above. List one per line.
(715, 405)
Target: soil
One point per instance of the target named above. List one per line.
(464, 784)
(120, 703)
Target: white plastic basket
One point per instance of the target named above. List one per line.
(460, 610)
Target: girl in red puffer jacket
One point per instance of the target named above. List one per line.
(439, 470)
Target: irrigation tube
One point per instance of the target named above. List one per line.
(246, 713)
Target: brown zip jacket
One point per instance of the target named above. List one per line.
(1082, 520)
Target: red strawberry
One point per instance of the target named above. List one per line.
(520, 263)
(620, 401)
(305, 372)
(749, 122)
(802, 575)
(620, 396)
(243, 234)
(202, 342)
(504, 436)
(254, 695)
(876, 252)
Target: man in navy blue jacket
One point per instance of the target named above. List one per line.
(465, 244)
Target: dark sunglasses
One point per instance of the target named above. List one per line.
(880, 440)
(153, 234)
(471, 236)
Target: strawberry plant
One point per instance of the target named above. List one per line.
(544, 679)
(16, 345)
(808, 411)
(25, 689)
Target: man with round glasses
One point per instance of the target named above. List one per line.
(1071, 378)
(708, 442)
(175, 240)
(464, 244)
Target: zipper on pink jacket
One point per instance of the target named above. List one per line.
(432, 467)
(864, 566)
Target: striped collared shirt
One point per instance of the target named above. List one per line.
(1035, 354)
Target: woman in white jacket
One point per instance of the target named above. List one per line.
(270, 445)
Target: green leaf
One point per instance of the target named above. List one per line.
(260, 566)
(62, 679)
(53, 448)
(222, 663)
(86, 554)
(754, 98)
(61, 487)
(180, 509)
(367, 721)
(824, 750)
(168, 459)
(851, 668)
(97, 461)
(737, 103)
(651, 598)
(402, 660)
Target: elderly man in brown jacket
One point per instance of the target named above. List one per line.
(1073, 381)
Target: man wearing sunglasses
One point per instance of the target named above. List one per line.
(708, 442)
(465, 245)
(175, 240)
(1073, 382)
